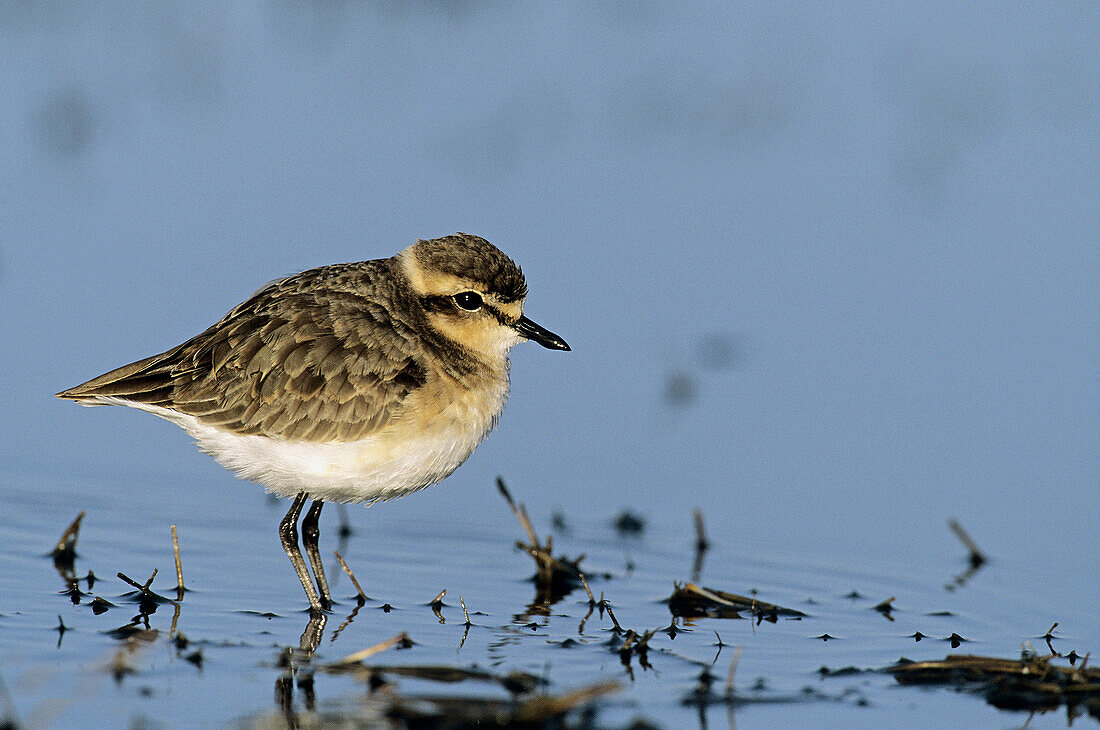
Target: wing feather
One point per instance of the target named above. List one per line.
(320, 356)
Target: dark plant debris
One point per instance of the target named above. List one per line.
(360, 597)
(180, 588)
(147, 599)
(956, 640)
(629, 523)
(692, 601)
(1049, 636)
(555, 577)
(848, 671)
(1033, 683)
(64, 552)
(975, 557)
(437, 604)
(701, 545)
(568, 710)
(516, 683)
(704, 694)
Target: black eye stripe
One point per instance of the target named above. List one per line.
(448, 305)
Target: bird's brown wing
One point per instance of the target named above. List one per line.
(320, 356)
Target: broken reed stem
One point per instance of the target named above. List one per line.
(520, 512)
(977, 557)
(584, 582)
(611, 614)
(179, 564)
(371, 650)
(538, 709)
(464, 611)
(145, 591)
(733, 670)
(701, 543)
(362, 596)
(139, 586)
(67, 542)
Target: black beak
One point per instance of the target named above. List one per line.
(541, 335)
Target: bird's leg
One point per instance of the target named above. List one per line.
(288, 533)
(310, 534)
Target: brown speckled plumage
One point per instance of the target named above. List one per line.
(326, 355)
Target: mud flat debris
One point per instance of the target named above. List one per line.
(566, 710)
(692, 601)
(530, 706)
(555, 577)
(1033, 683)
(64, 553)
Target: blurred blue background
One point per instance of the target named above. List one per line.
(828, 273)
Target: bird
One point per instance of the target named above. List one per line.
(353, 383)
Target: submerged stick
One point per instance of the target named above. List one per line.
(179, 565)
(519, 510)
(701, 543)
(139, 586)
(362, 597)
(977, 557)
(584, 582)
(733, 669)
(611, 614)
(146, 592)
(437, 606)
(66, 544)
(371, 650)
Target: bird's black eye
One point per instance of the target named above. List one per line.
(468, 300)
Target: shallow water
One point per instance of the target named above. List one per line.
(244, 607)
(828, 275)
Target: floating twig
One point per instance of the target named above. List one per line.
(690, 601)
(370, 651)
(1028, 683)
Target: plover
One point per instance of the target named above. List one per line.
(357, 382)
